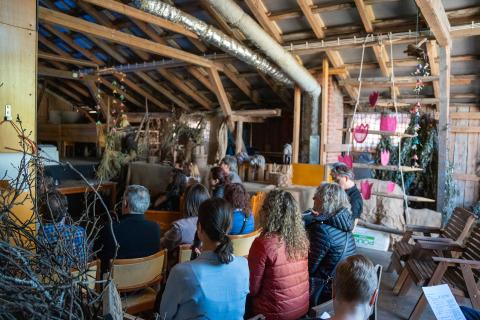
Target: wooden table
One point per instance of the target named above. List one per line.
(78, 186)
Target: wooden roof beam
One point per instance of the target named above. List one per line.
(59, 58)
(143, 92)
(221, 96)
(314, 19)
(257, 7)
(130, 98)
(432, 53)
(180, 84)
(436, 17)
(109, 34)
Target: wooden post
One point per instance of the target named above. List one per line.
(296, 124)
(443, 134)
(324, 121)
(238, 137)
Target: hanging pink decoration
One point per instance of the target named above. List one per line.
(372, 98)
(390, 186)
(384, 157)
(388, 123)
(360, 132)
(366, 189)
(347, 159)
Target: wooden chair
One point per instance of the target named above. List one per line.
(456, 230)
(163, 218)
(317, 311)
(243, 242)
(462, 275)
(184, 252)
(257, 203)
(92, 275)
(138, 278)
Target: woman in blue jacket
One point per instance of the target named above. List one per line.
(239, 198)
(216, 284)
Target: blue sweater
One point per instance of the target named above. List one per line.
(237, 223)
(206, 289)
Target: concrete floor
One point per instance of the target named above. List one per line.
(389, 305)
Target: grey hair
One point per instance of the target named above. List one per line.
(341, 169)
(231, 162)
(138, 198)
(333, 198)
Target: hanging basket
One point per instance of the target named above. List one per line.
(360, 133)
(384, 157)
(388, 123)
(347, 159)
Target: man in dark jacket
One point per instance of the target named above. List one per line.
(343, 175)
(136, 236)
(329, 229)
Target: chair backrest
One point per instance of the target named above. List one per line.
(184, 253)
(243, 242)
(257, 203)
(163, 218)
(139, 273)
(472, 245)
(91, 276)
(459, 226)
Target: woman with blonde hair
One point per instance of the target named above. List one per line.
(278, 260)
(329, 229)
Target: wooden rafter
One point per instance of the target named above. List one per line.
(436, 17)
(143, 92)
(432, 53)
(257, 7)
(109, 34)
(314, 19)
(127, 96)
(77, 62)
(221, 96)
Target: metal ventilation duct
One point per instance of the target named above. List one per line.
(213, 36)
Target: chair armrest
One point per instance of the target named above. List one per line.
(432, 245)
(417, 228)
(378, 227)
(472, 263)
(432, 239)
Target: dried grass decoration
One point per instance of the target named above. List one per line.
(113, 158)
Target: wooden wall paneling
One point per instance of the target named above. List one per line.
(18, 13)
(471, 187)
(460, 156)
(18, 74)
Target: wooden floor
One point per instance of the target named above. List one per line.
(390, 306)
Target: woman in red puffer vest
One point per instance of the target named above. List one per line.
(278, 261)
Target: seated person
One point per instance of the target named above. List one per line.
(343, 175)
(239, 199)
(229, 166)
(215, 285)
(192, 172)
(170, 201)
(136, 237)
(331, 240)
(354, 289)
(218, 180)
(69, 241)
(278, 261)
(183, 230)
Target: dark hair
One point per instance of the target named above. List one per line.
(238, 197)
(195, 195)
(179, 182)
(215, 217)
(355, 279)
(54, 206)
(218, 174)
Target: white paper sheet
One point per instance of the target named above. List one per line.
(443, 303)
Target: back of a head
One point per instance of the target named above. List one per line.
(179, 181)
(231, 162)
(355, 280)
(195, 195)
(333, 198)
(138, 198)
(54, 206)
(215, 218)
(238, 197)
(217, 173)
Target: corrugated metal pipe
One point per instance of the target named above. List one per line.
(213, 36)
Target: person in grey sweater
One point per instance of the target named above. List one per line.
(229, 166)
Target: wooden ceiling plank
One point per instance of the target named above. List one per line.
(109, 34)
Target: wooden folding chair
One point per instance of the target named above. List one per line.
(165, 219)
(243, 242)
(317, 311)
(139, 278)
(456, 231)
(462, 275)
